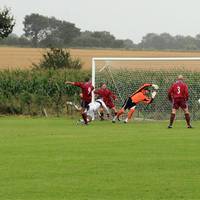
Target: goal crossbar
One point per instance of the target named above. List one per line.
(146, 59)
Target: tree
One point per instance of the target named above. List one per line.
(49, 32)
(97, 39)
(7, 23)
(128, 44)
(67, 31)
(150, 41)
(35, 27)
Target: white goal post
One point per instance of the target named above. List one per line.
(104, 67)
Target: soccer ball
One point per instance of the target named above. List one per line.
(199, 101)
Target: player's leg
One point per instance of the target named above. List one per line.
(84, 109)
(101, 113)
(115, 110)
(187, 117)
(125, 106)
(172, 117)
(90, 115)
(184, 107)
(120, 112)
(130, 114)
(175, 106)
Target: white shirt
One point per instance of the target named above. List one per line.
(94, 106)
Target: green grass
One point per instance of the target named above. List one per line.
(54, 159)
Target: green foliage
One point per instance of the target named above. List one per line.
(7, 23)
(165, 41)
(15, 40)
(57, 58)
(101, 39)
(29, 92)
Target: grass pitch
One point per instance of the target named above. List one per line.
(54, 159)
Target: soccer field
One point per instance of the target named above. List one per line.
(55, 159)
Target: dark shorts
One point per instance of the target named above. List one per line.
(179, 103)
(128, 104)
(84, 104)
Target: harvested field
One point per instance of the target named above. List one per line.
(23, 58)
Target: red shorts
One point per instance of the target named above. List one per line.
(110, 104)
(179, 103)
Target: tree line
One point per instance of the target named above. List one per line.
(43, 31)
(46, 32)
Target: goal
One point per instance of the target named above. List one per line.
(125, 75)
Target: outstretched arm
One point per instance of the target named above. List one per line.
(78, 84)
(69, 82)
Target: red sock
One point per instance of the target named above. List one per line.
(120, 112)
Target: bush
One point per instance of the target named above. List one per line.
(58, 58)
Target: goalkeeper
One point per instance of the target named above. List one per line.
(141, 95)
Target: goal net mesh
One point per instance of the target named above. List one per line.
(125, 77)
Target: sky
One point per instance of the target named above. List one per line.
(125, 19)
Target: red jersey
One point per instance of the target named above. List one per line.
(178, 90)
(106, 94)
(86, 90)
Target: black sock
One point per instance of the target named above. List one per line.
(187, 118)
(172, 117)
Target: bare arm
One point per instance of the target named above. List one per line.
(69, 82)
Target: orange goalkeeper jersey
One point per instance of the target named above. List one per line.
(139, 96)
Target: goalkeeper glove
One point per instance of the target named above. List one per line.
(153, 94)
(156, 87)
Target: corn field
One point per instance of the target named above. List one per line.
(38, 92)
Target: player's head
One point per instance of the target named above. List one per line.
(180, 77)
(145, 91)
(103, 86)
(87, 79)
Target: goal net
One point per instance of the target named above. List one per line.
(125, 75)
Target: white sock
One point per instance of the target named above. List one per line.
(115, 117)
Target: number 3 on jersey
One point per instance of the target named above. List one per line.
(178, 90)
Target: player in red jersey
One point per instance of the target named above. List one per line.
(108, 98)
(86, 94)
(141, 95)
(178, 95)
